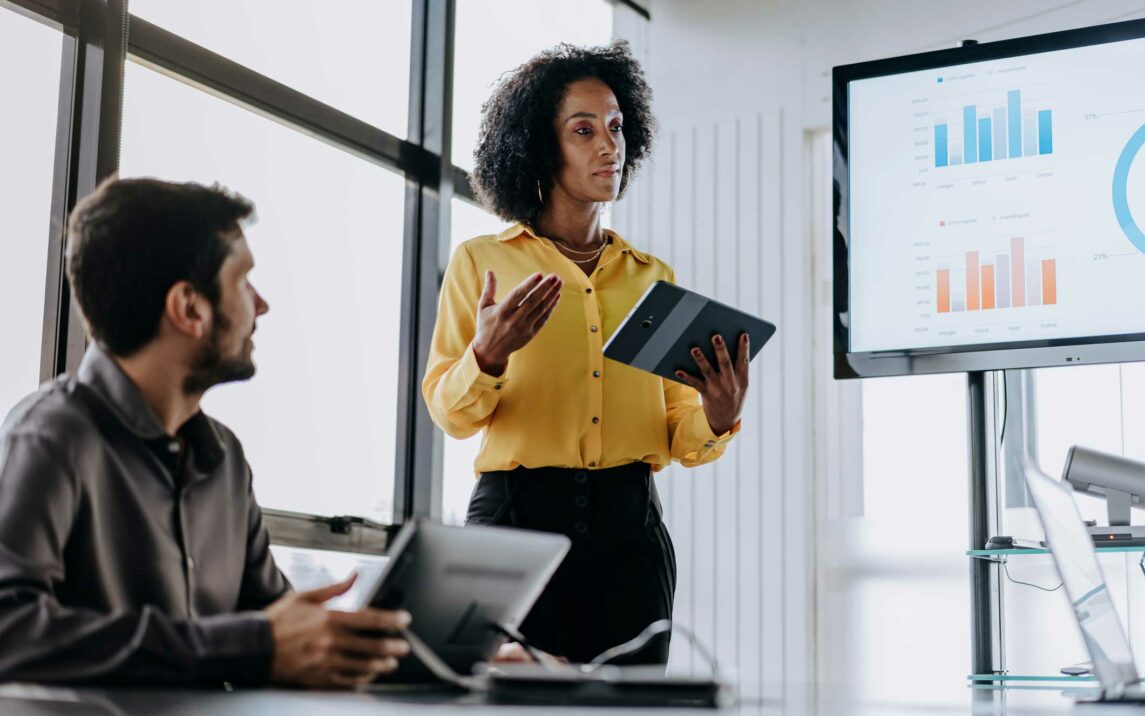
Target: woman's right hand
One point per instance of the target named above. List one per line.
(508, 326)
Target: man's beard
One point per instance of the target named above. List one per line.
(210, 367)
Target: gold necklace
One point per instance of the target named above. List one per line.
(592, 255)
(571, 250)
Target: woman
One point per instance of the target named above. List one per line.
(571, 440)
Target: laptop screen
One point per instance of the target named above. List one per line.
(1076, 560)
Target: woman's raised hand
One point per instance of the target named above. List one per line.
(508, 326)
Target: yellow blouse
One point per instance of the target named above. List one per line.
(559, 402)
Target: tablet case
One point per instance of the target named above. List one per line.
(658, 334)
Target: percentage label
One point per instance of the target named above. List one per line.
(1100, 257)
(1090, 115)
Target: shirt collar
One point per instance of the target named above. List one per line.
(520, 229)
(103, 376)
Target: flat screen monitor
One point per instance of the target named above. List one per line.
(990, 206)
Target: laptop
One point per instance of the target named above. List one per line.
(465, 587)
(1073, 553)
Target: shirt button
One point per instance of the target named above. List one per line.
(581, 477)
(497, 387)
(595, 420)
(592, 464)
(596, 374)
(593, 329)
(190, 563)
(581, 527)
(588, 290)
(581, 501)
(173, 446)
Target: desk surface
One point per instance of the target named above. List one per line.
(28, 700)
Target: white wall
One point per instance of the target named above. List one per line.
(741, 88)
(722, 203)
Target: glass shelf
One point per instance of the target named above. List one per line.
(1008, 552)
(1082, 681)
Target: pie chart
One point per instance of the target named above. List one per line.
(1121, 190)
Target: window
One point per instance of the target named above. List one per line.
(902, 562)
(496, 36)
(353, 55)
(1100, 407)
(30, 75)
(468, 221)
(318, 421)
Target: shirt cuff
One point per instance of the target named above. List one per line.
(711, 440)
(238, 648)
(474, 377)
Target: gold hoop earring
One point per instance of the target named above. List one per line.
(540, 196)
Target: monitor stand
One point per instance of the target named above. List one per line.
(1118, 535)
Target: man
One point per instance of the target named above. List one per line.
(131, 546)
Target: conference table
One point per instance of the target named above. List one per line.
(33, 700)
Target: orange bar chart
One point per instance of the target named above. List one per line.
(996, 281)
(1049, 282)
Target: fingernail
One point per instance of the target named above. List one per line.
(695, 351)
(404, 619)
(679, 374)
(719, 340)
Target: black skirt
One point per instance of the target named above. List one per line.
(619, 575)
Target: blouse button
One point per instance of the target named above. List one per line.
(588, 290)
(596, 374)
(593, 329)
(596, 421)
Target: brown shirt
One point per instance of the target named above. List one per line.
(127, 555)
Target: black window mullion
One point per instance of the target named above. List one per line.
(87, 151)
(54, 12)
(193, 63)
(417, 483)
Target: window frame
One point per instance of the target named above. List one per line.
(99, 38)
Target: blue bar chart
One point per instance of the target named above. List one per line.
(1008, 130)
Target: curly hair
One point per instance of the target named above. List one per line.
(517, 146)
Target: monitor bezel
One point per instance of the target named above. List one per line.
(1118, 348)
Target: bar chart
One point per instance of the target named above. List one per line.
(999, 281)
(1009, 130)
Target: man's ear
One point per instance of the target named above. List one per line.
(187, 310)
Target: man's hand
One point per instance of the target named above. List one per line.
(514, 653)
(314, 646)
(505, 327)
(723, 391)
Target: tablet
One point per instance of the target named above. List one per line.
(458, 582)
(658, 334)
